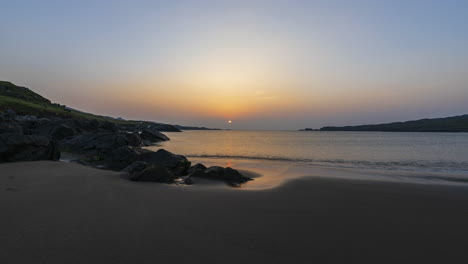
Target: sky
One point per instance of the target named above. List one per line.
(262, 64)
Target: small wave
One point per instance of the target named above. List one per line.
(404, 165)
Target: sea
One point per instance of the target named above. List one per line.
(433, 154)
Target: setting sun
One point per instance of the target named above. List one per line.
(229, 121)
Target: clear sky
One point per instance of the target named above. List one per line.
(262, 64)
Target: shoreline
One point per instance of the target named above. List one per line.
(273, 174)
(58, 212)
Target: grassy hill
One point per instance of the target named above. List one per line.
(447, 124)
(26, 102)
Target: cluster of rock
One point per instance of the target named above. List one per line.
(164, 166)
(102, 144)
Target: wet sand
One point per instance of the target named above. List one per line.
(57, 212)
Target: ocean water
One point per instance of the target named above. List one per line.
(421, 152)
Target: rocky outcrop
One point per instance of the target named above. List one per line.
(10, 126)
(154, 173)
(120, 158)
(196, 167)
(229, 175)
(17, 147)
(56, 131)
(136, 166)
(177, 164)
(99, 143)
(164, 127)
(150, 135)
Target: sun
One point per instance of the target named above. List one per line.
(229, 121)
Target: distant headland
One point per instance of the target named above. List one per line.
(447, 124)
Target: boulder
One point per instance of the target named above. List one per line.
(10, 126)
(229, 175)
(17, 147)
(188, 181)
(154, 174)
(152, 135)
(120, 158)
(103, 143)
(136, 166)
(177, 164)
(61, 131)
(196, 167)
(108, 126)
(9, 114)
(56, 131)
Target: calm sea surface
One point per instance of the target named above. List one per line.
(438, 152)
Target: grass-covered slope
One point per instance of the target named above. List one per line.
(26, 102)
(10, 90)
(447, 124)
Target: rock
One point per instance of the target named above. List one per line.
(153, 135)
(154, 174)
(26, 118)
(108, 126)
(188, 181)
(10, 126)
(134, 139)
(119, 159)
(17, 147)
(61, 131)
(165, 128)
(196, 167)
(56, 131)
(136, 166)
(9, 114)
(229, 175)
(177, 164)
(103, 143)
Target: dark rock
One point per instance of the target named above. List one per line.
(17, 147)
(119, 159)
(188, 181)
(162, 127)
(229, 175)
(104, 143)
(61, 131)
(9, 114)
(177, 164)
(154, 174)
(92, 124)
(136, 166)
(56, 131)
(108, 126)
(196, 167)
(153, 135)
(10, 126)
(134, 139)
(166, 128)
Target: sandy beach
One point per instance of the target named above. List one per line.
(58, 212)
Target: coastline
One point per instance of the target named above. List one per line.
(274, 174)
(59, 212)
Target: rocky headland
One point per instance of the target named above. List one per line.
(100, 142)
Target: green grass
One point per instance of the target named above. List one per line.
(22, 107)
(11, 90)
(26, 102)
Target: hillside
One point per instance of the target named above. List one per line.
(24, 101)
(447, 124)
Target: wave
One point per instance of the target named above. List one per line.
(406, 165)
